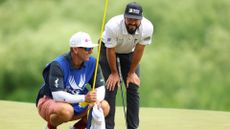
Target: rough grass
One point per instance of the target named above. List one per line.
(18, 115)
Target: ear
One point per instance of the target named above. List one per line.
(75, 50)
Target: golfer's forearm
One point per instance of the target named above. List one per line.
(63, 96)
(111, 57)
(137, 55)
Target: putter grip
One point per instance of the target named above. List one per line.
(119, 69)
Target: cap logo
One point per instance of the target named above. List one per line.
(135, 11)
(86, 40)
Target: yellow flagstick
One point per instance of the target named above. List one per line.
(100, 40)
(99, 46)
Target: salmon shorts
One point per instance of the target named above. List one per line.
(47, 106)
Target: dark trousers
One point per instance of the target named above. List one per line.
(132, 98)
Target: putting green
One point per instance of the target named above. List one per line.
(18, 115)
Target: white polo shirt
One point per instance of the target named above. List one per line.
(116, 35)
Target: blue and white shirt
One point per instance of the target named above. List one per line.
(61, 75)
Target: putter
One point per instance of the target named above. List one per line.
(122, 93)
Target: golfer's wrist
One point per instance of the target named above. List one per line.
(114, 72)
(130, 73)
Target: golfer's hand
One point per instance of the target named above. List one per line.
(133, 78)
(91, 97)
(112, 80)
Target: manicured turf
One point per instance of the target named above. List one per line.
(18, 115)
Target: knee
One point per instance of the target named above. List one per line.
(65, 112)
(105, 107)
(133, 88)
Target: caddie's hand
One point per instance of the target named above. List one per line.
(112, 80)
(132, 78)
(91, 97)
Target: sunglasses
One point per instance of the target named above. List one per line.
(87, 49)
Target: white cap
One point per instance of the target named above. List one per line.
(81, 39)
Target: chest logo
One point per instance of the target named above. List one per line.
(73, 83)
(56, 82)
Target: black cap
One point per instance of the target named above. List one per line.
(133, 10)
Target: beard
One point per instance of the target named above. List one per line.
(131, 29)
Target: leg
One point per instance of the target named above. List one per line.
(82, 123)
(110, 96)
(133, 106)
(131, 92)
(55, 113)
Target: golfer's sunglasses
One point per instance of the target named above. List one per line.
(87, 49)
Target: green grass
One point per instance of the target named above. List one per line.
(186, 66)
(18, 115)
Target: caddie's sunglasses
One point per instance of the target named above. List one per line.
(87, 49)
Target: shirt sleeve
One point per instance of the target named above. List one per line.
(63, 96)
(55, 77)
(147, 33)
(109, 37)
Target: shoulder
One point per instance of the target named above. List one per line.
(56, 62)
(114, 22)
(147, 26)
(116, 19)
(55, 65)
(62, 61)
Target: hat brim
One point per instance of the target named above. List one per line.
(133, 16)
(91, 45)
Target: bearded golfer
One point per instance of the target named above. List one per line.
(125, 36)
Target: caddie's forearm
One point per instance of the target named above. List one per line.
(111, 57)
(137, 55)
(63, 96)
